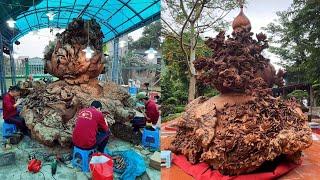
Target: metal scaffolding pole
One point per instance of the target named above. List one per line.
(115, 61)
(12, 65)
(2, 73)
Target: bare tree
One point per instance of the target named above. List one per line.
(194, 17)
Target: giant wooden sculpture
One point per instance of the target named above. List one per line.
(50, 109)
(245, 126)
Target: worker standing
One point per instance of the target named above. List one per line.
(151, 113)
(91, 130)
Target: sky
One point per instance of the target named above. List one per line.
(260, 14)
(33, 43)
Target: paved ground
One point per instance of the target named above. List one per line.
(18, 169)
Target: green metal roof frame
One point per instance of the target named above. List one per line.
(116, 17)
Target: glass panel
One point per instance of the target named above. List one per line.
(106, 8)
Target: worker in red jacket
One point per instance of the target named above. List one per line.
(151, 113)
(10, 113)
(91, 130)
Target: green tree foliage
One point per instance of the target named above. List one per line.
(298, 94)
(193, 17)
(174, 58)
(134, 59)
(150, 37)
(150, 34)
(316, 91)
(297, 31)
(174, 78)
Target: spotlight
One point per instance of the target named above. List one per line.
(122, 43)
(88, 52)
(11, 23)
(151, 53)
(50, 15)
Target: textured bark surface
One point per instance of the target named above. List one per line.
(67, 59)
(50, 110)
(243, 127)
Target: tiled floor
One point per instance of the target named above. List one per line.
(309, 170)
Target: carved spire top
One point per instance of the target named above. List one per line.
(241, 20)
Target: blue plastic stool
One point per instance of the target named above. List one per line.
(83, 156)
(8, 130)
(133, 91)
(151, 138)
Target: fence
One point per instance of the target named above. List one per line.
(25, 68)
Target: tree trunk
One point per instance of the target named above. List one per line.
(192, 88)
(192, 82)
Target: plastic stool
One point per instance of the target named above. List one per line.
(83, 156)
(166, 158)
(151, 138)
(8, 130)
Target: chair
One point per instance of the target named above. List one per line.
(166, 159)
(151, 138)
(8, 130)
(81, 158)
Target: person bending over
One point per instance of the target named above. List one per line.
(151, 113)
(91, 130)
(10, 113)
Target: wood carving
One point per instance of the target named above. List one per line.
(245, 126)
(50, 110)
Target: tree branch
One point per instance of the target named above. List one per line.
(196, 17)
(170, 27)
(206, 26)
(182, 31)
(183, 9)
(195, 44)
(176, 38)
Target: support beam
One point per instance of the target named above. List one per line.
(82, 11)
(35, 9)
(129, 7)
(74, 3)
(59, 13)
(2, 73)
(12, 65)
(115, 61)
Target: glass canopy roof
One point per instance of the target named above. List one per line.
(116, 17)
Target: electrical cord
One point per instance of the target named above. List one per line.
(44, 177)
(53, 177)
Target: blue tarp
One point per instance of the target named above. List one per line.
(135, 165)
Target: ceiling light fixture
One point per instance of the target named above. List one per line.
(50, 15)
(88, 49)
(11, 23)
(151, 53)
(122, 43)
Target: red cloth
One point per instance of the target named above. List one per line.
(201, 171)
(152, 111)
(89, 121)
(8, 109)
